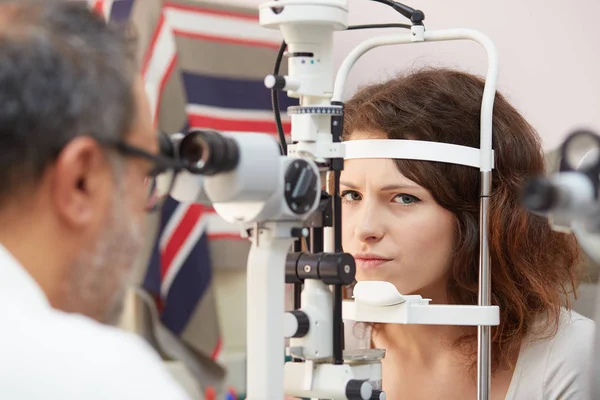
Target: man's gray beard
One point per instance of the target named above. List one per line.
(100, 275)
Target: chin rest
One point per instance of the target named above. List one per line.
(380, 294)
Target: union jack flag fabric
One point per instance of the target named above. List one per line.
(203, 64)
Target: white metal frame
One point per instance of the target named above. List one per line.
(486, 162)
(308, 26)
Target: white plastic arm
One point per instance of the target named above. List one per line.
(438, 36)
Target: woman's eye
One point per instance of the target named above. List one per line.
(406, 199)
(350, 195)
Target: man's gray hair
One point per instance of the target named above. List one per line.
(64, 73)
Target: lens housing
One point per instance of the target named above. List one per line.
(539, 195)
(581, 151)
(208, 152)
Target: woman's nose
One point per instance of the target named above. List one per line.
(369, 227)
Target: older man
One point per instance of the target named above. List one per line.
(77, 157)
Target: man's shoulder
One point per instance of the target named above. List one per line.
(80, 337)
(106, 343)
(81, 358)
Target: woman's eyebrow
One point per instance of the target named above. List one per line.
(348, 184)
(398, 187)
(384, 188)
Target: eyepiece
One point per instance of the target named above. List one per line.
(581, 151)
(539, 195)
(208, 152)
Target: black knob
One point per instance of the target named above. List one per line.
(300, 186)
(378, 395)
(277, 10)
(303, 323)
(291, 268)
(417, 17)
(275, 82)
(358, 390)
(337, 268)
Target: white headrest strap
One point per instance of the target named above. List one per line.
(413, 150)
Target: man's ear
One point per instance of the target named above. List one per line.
(80, 182)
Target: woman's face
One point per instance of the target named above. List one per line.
(394, 228)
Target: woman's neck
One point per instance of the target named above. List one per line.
(420, 343)
(424, 343)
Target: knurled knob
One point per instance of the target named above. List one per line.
(275, 82)
(358, 390)
(303, 323)
(378, 395)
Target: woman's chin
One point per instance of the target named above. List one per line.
(402, 289)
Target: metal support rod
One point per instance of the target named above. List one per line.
(297, 296)
(265, 307)
(297, 306)
(337, 213)
(316, 240)
(338, 326)
(338, 323)
(337, 165)
(298, 245)
(484, 337)
(297, 286)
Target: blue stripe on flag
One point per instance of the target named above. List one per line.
(121, 10)
(188, 287)
(152, 280)
(242, 94)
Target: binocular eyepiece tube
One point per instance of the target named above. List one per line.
(202, 152)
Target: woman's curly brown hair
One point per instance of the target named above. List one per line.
(534, 269)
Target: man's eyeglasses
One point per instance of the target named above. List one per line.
(161, 177)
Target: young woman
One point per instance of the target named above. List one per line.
(415, 224)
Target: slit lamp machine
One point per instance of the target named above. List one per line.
(569, 198)
(273, 192)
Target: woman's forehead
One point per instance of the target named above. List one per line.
(373, 172)
(362, 134)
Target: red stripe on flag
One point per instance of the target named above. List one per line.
(221, 13)
(167, 75)
(221, 124)
(228, 236)
(98, 7)
(180, 234)
(150, 50)
(221, 39)
(217, 349)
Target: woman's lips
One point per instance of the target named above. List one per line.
(366, 262)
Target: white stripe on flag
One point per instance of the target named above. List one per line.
(174, 221)
(182, 255)
(233, 113)
(107, 8)
(161, 58)
(221, 26)
(102, 6)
